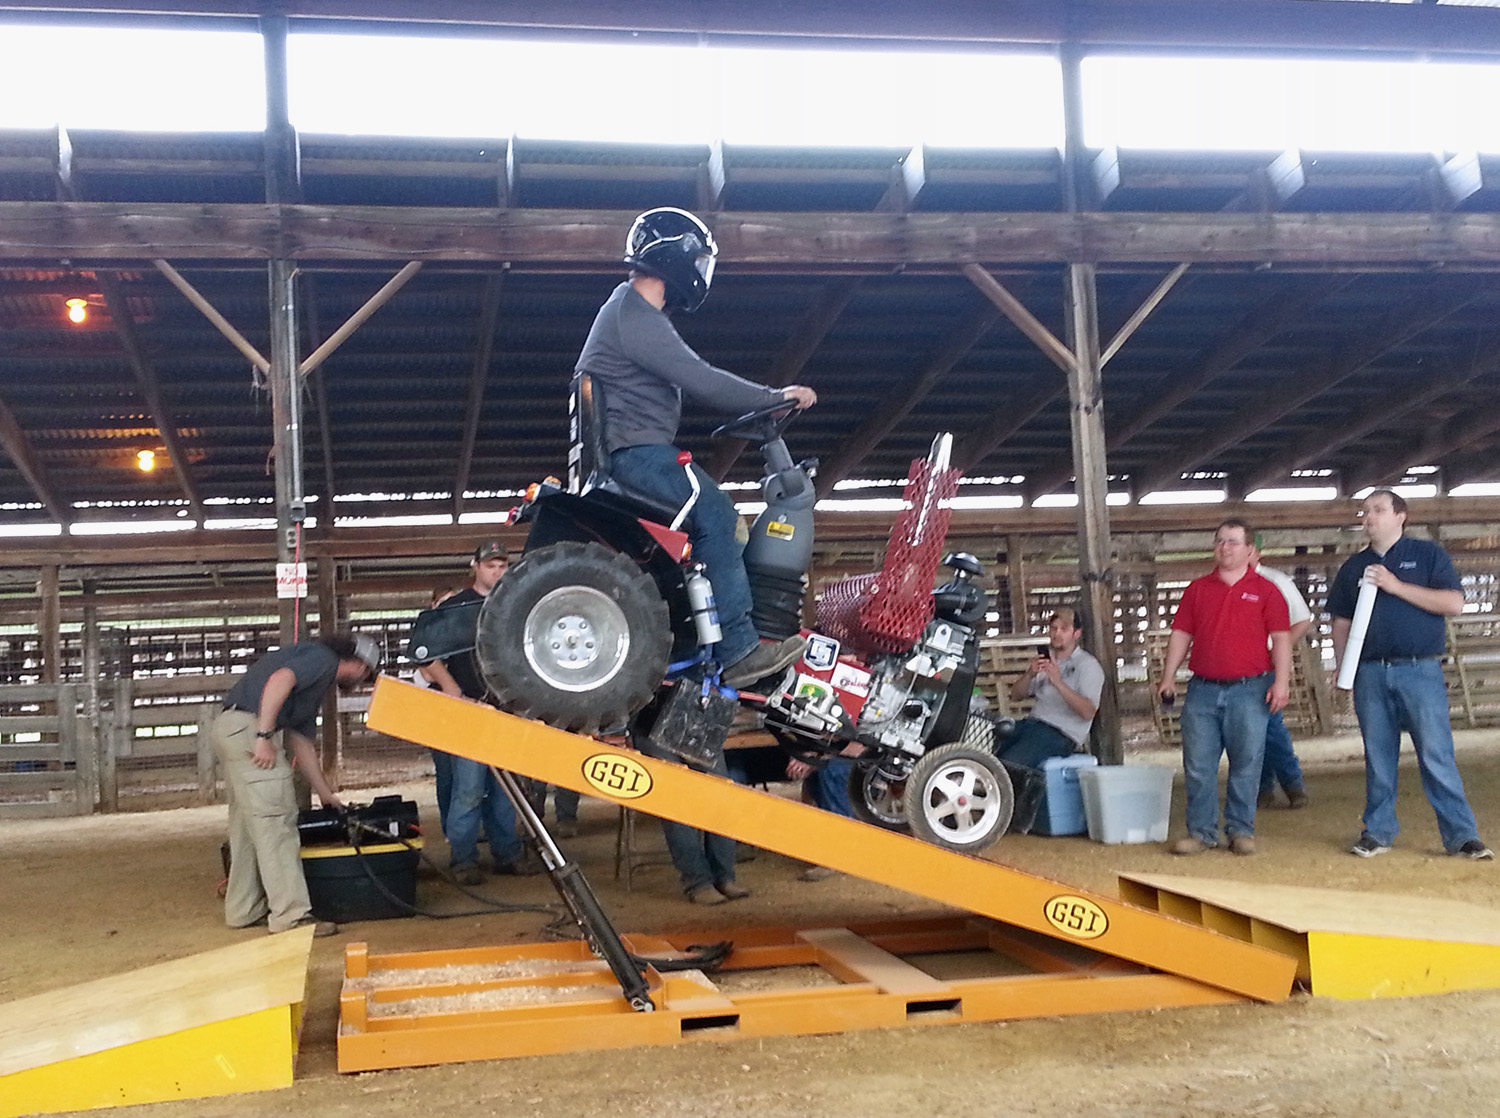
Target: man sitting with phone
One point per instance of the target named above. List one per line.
(1066, 683)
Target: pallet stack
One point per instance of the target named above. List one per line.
(1472, 668)
(1309, 708)
(1002, 660)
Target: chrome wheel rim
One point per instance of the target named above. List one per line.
(576, 638)
(962, 801)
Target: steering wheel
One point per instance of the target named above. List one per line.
(752, 425)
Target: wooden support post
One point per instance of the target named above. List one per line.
(49, 623)
(1086, 411)
(1015, 577)
(331, 748)
(97, 738)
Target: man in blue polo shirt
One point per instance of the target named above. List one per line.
(1235, 623)
(1399, 684)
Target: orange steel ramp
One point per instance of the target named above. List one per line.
(1055, 929)
(1347, 945)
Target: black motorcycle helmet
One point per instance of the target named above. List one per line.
(676, 248)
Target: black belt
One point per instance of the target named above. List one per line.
(1229, 682)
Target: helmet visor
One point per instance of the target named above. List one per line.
(705, 265)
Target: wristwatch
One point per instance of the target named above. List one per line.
(265, 733)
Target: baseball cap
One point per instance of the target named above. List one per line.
(490, 549)
(367, 652)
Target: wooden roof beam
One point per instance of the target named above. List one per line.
(950, 350)
(1323, 441)
(150, 387)
(1354, 353)
(479, 375)
(1280, 25)
(783, 242)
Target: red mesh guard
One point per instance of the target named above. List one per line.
(886, 612)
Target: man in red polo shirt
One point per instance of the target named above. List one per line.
(1225, 618)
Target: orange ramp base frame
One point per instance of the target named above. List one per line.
(673, 791)
(439, 1007)
(1347, 945)
(1202, 964)
(218, 1023)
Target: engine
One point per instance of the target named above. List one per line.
(907, 690)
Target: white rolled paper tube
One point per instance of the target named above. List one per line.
(1356, 642)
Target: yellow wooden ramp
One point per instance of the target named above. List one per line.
(1347, 945)
(219, 1023)
(1023, 900)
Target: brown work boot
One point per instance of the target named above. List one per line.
(732, 891)
(1266, 799)
(322, 929)
(706, 894)
(1296, 798)
(1187, 847)
(1243, 845)
(762, 660)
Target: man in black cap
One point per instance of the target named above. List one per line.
(474, 796)
(279, 697)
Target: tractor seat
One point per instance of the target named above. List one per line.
(588, 458)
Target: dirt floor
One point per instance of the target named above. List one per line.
(85, 898)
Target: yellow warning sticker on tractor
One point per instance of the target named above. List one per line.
(622, 778)
(780, 530)
(1076, 916)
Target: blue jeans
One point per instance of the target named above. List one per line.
(564, 800)
(476, 800)
(442, 772)
(700, 857)
(1410, 696)
(1280, 764)
(711, 526)
(1219, 719)
(830, 786)
(1033, 742)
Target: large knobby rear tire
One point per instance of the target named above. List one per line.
(959, 797)
(576, 636)
(877, 799)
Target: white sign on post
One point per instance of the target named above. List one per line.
(291, 580)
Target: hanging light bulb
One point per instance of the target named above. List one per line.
(78, 310)
(146, 460)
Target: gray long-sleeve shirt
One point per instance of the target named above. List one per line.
(635, 353)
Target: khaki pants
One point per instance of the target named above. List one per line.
(265, 858)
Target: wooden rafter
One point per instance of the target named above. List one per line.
(150, 387)
(23, 455)
(950, 350)
(795, 353)
(479, 374)
(1352, 354)
(1457, 434)
(1383, 410)
(318, 380)
(1243, 339)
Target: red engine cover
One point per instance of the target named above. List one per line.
(827, 677)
